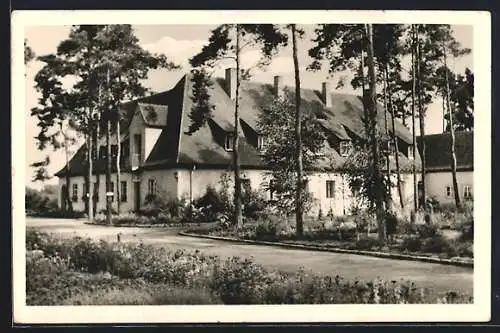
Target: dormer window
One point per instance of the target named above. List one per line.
(345, 148)
(228, 144)
(260, 142)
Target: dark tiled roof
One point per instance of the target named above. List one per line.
(438, 153)
(205, 148)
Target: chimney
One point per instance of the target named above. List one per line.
(231, 82)
(326, 95)
(278, 86)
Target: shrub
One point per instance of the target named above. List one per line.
(427, 230)
(60, 276)
(467, 230)
(211, 204)
(254, 203)
(412, 244)
(391, 223)
(367, 243)
(266, 230)
(438, 244)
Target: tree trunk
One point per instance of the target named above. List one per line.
(118, 175)
(69, 202)
(414, 137)
(238, 214)
(365, 111)
(396, 155)
(388, 194)
(298, 137)
(109, 190)
(372, 111)
(452, 133)
(90, 187)
(109, 203)
(421, 118)
(97, 180)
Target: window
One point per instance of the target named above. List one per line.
(410, 153)
(271, 189)
(111, 189)
(96, 192)
(74, 194)
(345, 148)
(467, 192)
(114, 151)
(123, 191)
(260, 142)
(228, 145)
(125, 151)
(245, 185)
(449, 191)
(102, 152)
(151, 186)
(330, 189)
(137, 146)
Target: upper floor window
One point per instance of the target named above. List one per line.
(260, 142)
(125, 149)
(137, 144)
(228, 144)
(410, 153)
(345, 148)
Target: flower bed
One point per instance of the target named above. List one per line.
(113, 269)
(424, 240)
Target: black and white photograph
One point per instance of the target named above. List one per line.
(220, 166)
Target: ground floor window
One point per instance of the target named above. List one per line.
(96, 192)
(111, 189)
(330, 189)
(468, 192)
(449, 191)
(74, 193)
(123, 191)
(151, 186)
(245, 185)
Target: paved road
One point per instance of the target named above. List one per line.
(440, 278)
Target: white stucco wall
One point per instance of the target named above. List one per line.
(79, 205)
(258, 181)
(436, 182)
(166, 183)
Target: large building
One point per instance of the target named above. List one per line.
(159, 156)
(438, 177)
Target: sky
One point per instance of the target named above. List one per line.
(179, 43)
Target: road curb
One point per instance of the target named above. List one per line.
(385, 255)
(160, 225)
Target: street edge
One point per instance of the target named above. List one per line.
(385, 255)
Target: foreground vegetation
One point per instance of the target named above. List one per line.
(82, 271)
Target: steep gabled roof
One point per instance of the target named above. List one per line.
(438, 151)
(175, 147)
